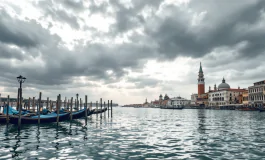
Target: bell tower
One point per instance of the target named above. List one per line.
(201, 83)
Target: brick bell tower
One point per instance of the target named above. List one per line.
(201, 83)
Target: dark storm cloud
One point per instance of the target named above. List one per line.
(129, 18)
(175, 36)
(168, 33)
(58, 65)
(9, 52)
(21, 33)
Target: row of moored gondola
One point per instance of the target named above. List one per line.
(45, 116)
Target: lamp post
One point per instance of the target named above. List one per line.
(20, 80)
(77, 104)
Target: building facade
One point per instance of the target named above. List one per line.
(178, 101)
(256, 94)
(245, 98)
(194, 97)
(224, 95)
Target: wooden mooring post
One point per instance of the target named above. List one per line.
(65, 107)
(111, 108)
(80, 104)
(51, 105)
(71, 115)
(68, 104)
(39, 108)
(108, 108)
(29, 103)
(100, 107)
(90, 107)
(75, 105)
(57, 109)
(33, 104)
(86, 105)
(7, 110)
(20, 107)
(97, 107)
(18, 93)
(47, 107)
(104, 109)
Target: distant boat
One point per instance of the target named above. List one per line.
(172, 107)
(261, 109)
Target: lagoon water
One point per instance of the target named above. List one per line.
(141, 133)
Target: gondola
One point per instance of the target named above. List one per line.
(100, 110)
(2, 119)
(261, 110)
(49, 118)
(81, 113)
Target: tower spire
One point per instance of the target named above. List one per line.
(200, 71)
(201, 83)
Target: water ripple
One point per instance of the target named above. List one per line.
(141, 134)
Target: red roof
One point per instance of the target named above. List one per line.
(155, 102)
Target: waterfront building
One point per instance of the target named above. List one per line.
(245, 98)
(194, 97)
(178, 101)
(225, 95)
(155, 103)
(146, 104)
(256, 94)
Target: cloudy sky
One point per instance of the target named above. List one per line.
(129, 50)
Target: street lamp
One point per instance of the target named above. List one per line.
(20, 80)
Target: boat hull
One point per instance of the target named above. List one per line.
(34, 120)
(2, 119)
(82, 113)
(99, 111)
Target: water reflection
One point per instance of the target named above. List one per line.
(38, 137)
(16, 146)
(201, 118)
(57, 138)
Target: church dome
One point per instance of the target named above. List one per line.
(223, 85)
